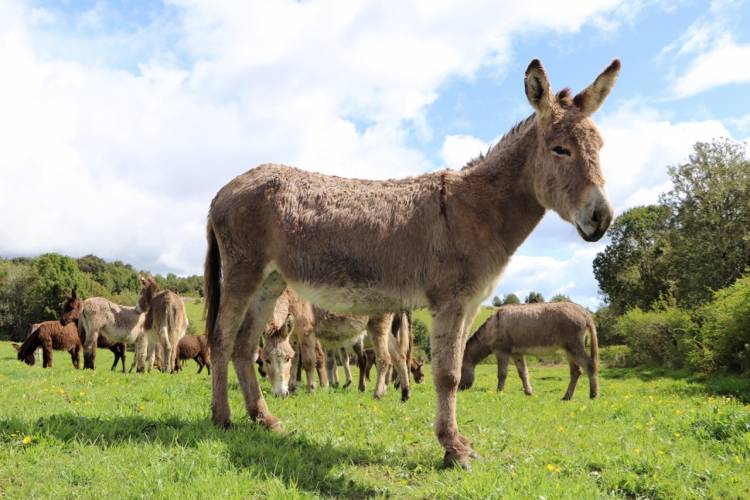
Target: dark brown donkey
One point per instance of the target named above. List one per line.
(194, 347)
(439, 240)
(59, 335)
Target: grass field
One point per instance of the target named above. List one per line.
(67, 433)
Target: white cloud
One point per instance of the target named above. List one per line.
(723, 64)
(707, 55)
(457, 150)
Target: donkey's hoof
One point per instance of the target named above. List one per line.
(222, 424)
(453, 460)
(527, 393)
(566, 398)
(347, 384)
(362, 388)
(405, 393)
(271, 423)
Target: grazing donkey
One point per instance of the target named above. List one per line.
(59, 335)
(194, 347)
(338, 332)
(516, 330)
(439, 240)
(165, 323)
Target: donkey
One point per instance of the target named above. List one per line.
(194, 347)
(119, 324)
(165, 323)
(439, 240)
(338, 332)
(516, 330)
(60, 335)
(119, 349)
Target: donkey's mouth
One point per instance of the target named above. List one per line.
(595, 236)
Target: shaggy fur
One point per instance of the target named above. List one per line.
(59, 335)
(119, 324)
(440, 240)
(516, 330)
(51, 335)
(165, 323)
(194, 347)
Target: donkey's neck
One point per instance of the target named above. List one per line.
(478, 347)
(499, 188)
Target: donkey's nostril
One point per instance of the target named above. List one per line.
(595, 217)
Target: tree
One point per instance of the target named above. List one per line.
(560, 297)
(634, 269)
(534, 298)
(710, 207)
(497, 301)
(510, 299)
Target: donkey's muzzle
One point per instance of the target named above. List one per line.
(594, 219)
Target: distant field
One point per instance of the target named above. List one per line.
(194, 309)
(655, 434)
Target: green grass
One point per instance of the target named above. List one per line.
(100, 434)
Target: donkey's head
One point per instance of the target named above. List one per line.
(72, 308)
(416, 370)
(148, 290)
(277, 354)
(566, 175)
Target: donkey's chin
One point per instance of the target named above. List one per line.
(593, 236)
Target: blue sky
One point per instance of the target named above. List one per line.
(144, 109)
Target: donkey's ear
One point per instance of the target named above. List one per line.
(17, 347)
(538, 90)
(589, 99)
(74, 294)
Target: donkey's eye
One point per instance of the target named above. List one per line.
(561, 151)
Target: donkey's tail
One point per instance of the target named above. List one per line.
(594, 342)
(211, 282)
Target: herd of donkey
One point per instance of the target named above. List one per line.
(301, 263)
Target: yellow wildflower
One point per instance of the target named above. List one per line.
(553, 468)
(26, 439)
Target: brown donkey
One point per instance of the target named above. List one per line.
(516, 330)
(194, 347)
(59, 335)
(440, 240)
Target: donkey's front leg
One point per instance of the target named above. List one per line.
(378, 327)
(447, 351)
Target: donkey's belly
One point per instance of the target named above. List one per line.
(356, 300)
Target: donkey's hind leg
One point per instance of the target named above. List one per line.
(582, 359)
(261, 308)
(236, 291)
(523, 372)
(575, 372)
(361, 362)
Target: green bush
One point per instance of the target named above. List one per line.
(616, 356)
(421, 336)
(660, 337)
(724, 338)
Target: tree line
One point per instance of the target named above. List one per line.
(34, 289)
(674, 276)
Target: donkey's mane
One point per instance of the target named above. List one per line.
(564, 100)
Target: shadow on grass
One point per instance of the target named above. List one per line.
(293, 459)
(725, 385)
